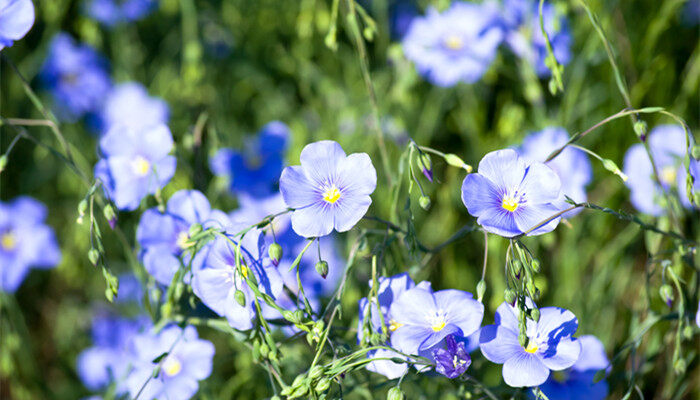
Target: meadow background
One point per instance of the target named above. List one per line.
(226, 68)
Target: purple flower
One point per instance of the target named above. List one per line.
(115, 12)
(189, 361)
(106, 361)
(329, 190)
(509, 197)
(76, 76)
(164, 237)
(421, 319)
(218, 281)
(16, 18)
(576, 383)
(571, 165)
(668, 146)
(524, 35)
(456, 45)
(452, 360)
(255, 170)
(129, 104)
(25, 241)
(135, 163)
(550, 345)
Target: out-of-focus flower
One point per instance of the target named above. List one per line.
(571, 165)
(106, 361)
(256, 169)
(401, 14)
(697, 316)
(524, 35)
(329, 190)
(135, 163)
(508, 196)
(452, 360)
(218, 282)
(421, 319)
(130, 289)
(129, 104)
(576, 383)
(115, 12)
(456, 45)
(165, 236)
(668, 147)
(25, 241)
(16, 18)
(76, 76)
(550, 345)
(188, 361)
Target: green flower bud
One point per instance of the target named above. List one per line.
(275, 253)
(109, 213)
(240, 297)
(552, 86)
(264, 350)
(679, 366)
(530, 287)
(395, 393)
(522, 339)
(3, 162)
(517, 266)
(256, 350)
(82, 207)
(93, 256)
(612, 167)
(696, 152)
(455, 161)
(688, 332)
(480, 289)
(426, 161)
(424, 202)
(640, 128)
(316, 372)
(194, 229)
(666, 292)
(509, 296)
(322, 268)
(535, 314)
(535, 266)
(322, 385)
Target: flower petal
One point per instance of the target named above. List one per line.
(413, 307)
(498, 343)
(529, 216)
(499, 221)
(296, 188)
(316, 220)
(541, 184)
(504, 168)
(461, 309)
(349, 210)
(555, 324)
(321, 160)
(409, 338)
(190, 205)
(479, 194)
(563, 356)
(524, 369)
(356, 175)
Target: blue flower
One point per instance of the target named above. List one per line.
(576, 383)
(571, 165)
(164, 237)
(189, 362)
(452, 360)
(456, 45)
(16, 18)
(25, 241)
(509, 197)
(76, 76)
(129, 104)
(420, 319)
(106, 361)
(401, 14)
(329, 190)
(114, 12)
(218, 280)
(135, 163)
(668, 146)
(550, 345)
(524, 35)
(256, 170)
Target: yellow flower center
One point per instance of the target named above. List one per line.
(393, 325)
(454, 42)
(172, 366)
(183, 240)
(669, 174)
(8, 241)
(438, 322)
(509, 203)
(331, 195)
(531, 346)
(140, 166)
(456, 361)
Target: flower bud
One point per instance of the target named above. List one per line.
(640, 128)
(552, 86)
(3, 162)
(322, 268)
(530, 287)
(535, 264)
(522, 339)
(517, 266)
(535, 314)
(93, 256)
(426, 166)
(264, 350)
(688, 332)
(612, 167)
(666, 293)
(275, 253)
(696, 152)
(480, 289)
(509, 296)
(455, 161)
(82, 207)
(322, 385)
(424, 202)
(316, 372)
(395, 393)
(679, 366)
(194, 229)
(240, 297)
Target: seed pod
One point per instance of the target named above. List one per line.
(316, 372)
(666, 293)
(480, 289)
(264, 350)
(109, 213)
(535, 264)
(535, 314)
(455, 161)
(509, 296)
(93, 256)
(517, 266)
(194, 229)
(322, 385)
(424, 202)
(3, 162)
(522, 339)
(240, 297)
(322, 268)
(275, 253)
(640, 128)
(395, 393)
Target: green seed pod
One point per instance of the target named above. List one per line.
(82, 207)
(322, 385)
(522, 339)
(480, 289)
(322, 268)
(240, 297)
(256, 350)
(696, 152)
(688, 332)
(666, 293)
(424, 202)
(535, 266)
(316, 372)
(275, 253)
(194, 229)
(3, 162)
(109, 213)
(640, 128)
(517, 266)
(535, 314)
(395, 393)
(530, 287)
(455, 161)
(264, 350)
(93, 256)
(680, 366)
(509, 296)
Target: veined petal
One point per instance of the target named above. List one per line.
(529, 216)
(524, 369)
(556, 324)
(190, 205)
(461, 309)
(408, 339)
(349, 210)
(356, 175)
(499, 221)
(504, 168)
(315, 220)
(541, 184)
(297, 190)
(564, 354)
(320, 161)
(413, 307)
(479, 194)
(498, 344)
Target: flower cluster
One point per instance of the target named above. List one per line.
(25, 241)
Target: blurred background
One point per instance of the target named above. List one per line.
(226, 68)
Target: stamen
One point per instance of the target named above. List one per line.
(393, 325)
(8, 241)
(531, 346)
(454, 42)
(331, 195)
(172, 366)
(141, 166)
(509, 203)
